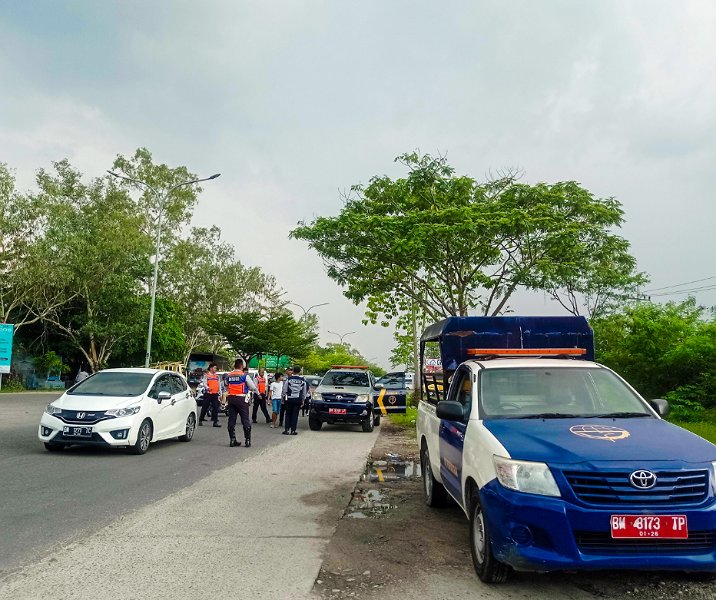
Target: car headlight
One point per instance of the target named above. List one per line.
(363, 398)
(122, 412)
(52, 410)
(524, 476)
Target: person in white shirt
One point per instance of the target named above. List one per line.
(276, 393)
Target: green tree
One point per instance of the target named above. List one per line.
(94, 245)
(448, 245)
(322, 358)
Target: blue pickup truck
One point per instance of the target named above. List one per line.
(556, 461)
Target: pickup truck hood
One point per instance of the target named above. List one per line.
(94, 402)
(345, 389)
(562, 441)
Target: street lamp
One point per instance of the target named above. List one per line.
(309, 309)
(162, 204)
(340, 337)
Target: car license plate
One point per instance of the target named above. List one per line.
(336, 411)
(650, 526)
(70, 431)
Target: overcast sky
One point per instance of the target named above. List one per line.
(293, 101)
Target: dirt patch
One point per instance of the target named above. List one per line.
(388, 541)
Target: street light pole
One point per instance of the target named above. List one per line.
(310, 308)
(162, 206)
(340, 337)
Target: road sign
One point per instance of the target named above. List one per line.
(6, 331)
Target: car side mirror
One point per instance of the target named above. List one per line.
(378, 386)
(450, 410)
(661, 406)
(161, 396)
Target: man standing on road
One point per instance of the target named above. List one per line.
(289, 372)
(261, 382)
(212, 388)
(296, 392)
(238, 385)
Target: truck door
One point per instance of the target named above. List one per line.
(452, 435)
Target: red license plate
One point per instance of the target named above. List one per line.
(336, 411)
(650, 526)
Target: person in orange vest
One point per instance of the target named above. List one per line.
(238, 386)
(261, 381)
(212, 389)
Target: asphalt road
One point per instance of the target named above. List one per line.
(47, 499)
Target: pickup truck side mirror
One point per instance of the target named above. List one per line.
(161, 396)
(378, 386)
(660, 406)
(450, 410)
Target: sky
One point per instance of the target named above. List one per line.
(295, 101)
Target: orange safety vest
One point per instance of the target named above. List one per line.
(236, 383)
(261, 383)
(212, 383)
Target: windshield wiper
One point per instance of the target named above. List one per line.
(552, 415)
(617, 415)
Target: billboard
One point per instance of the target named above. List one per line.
(6, 332)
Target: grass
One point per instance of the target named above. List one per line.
(705, 428)
(406, 420)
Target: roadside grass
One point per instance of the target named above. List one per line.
(705, 428)
(407, 420)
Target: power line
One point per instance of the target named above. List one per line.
(669, 287)
(678, 292)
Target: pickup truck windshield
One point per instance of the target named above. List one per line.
(346, 378)
(113, 384)
(529, 393)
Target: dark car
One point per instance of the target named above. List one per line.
(391, 392)
(345, 395)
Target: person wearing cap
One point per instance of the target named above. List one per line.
(238, 385)
(296, 393)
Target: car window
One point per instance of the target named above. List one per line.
(583, 392)
(177, 384)
(112, 383)
(392, 381)
(346, 378)
(163, 384)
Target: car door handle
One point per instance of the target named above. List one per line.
(173, 402)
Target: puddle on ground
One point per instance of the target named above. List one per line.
(367, 503)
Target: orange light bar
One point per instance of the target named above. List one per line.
(525, 351)
(349, 367)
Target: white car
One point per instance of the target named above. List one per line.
(121, 408)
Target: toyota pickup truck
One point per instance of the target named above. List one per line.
(556, 461)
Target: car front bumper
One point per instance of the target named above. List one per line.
(113, 432)
(540, 533)
(355, 412)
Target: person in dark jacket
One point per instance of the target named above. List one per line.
(296, 391)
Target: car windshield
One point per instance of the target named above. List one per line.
(114, 383)
(346, 378)
(392, 381)
(523, 393)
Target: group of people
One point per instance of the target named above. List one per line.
(288, 394)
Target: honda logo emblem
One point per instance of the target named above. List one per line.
(80, 415)
(643, 480)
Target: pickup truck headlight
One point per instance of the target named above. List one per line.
(363, 398)
(52, 410)
(524, 476)
(122, 412)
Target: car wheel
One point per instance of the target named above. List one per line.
(144, 438)
(376, 421)
(487, 567)
(435, 494)
(367, 424)
(190, 427)
(53, 447)
(314, 424)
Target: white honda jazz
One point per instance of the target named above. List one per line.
(121, 407)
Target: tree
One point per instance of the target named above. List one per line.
(448, 245)
(322, 358)
(94, 245)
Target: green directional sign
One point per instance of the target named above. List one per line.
(6, 331)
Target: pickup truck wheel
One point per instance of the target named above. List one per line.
(314, 424)
(435, 494)
(367, 424)
(487, 567)
(376, 421)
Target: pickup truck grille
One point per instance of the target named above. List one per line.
(591, 542)
(672, 487)
(339, 397)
